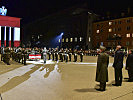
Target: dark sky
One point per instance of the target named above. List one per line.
(29, 10)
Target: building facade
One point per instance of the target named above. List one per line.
(114, 32)
(9, 31)
(75, 23)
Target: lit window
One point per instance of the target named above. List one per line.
(71, 39)
(132, 34)
(110, 23)
(76, 39)
(59, 40)
(89, 39)
(127, 35)
(66, 39)
(62, 40)
(98, 31)
(110, 30)
(81, 39)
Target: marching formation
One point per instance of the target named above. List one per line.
(20, 55)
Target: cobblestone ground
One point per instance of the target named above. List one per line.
(60, 81)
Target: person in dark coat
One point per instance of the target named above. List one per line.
(102, 69)
(118, 65)
(129, 65)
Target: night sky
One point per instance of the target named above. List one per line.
(29, 10)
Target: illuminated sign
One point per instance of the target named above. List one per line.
(3, 11)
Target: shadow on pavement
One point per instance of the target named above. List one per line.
(86, 90)
(15, 81)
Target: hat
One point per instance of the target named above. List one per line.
(102, 47)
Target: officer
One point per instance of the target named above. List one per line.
(75, 55)
(70, 54)
(81, 55)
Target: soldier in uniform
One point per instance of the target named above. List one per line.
(24, 56)
(70, 54)
(66, 55)
(102, 69)
(7, 56)
(2, 53)
(53, 53)
(44, 54)
(75, 55)
(49, 54)
(56, 54)
(81, 55)
(19, 55)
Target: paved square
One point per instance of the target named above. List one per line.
(61, 81)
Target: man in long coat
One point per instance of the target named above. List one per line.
(102, 69)
(118, 65)
(129, 65)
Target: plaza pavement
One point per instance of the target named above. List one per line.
(60, 81)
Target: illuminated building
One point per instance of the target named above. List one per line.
(113, 32)
(9, 30)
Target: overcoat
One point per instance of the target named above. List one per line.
(102, 67)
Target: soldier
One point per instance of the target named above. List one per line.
(44, 54)
(2, 53)
(102, 69)
(56, 54)
(19, 55)
(81, 55)
(61, 54)
(75, 55)
(7, 56)
(49, 54)
(70, 54)
(53, 53)
(66, 55)
(24, 56)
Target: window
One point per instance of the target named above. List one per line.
(89, 39)
(109, 43)
(62, 40)
(98, 31)
(127, 43)
(110, 23)
(115, 23)
(59, 40)
(128, 27)
(132, 43)
(127, 35)
(80, 39)
(128, 21)
(119, 29)
(71, 39)
(76, 39)
(119, 22)
(66, 39)
(110, 30)
(132, 34)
